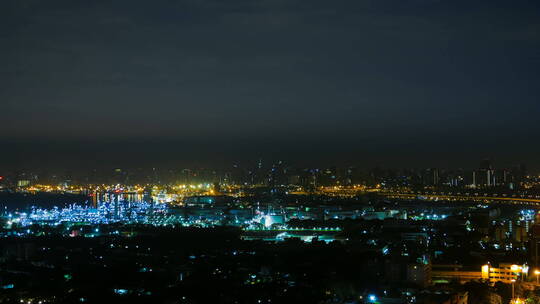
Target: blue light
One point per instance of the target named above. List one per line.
(372, 298)
(120, 291)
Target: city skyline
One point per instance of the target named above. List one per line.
(269, 151)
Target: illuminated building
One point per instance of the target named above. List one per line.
(506, 272)
(23, 183)
(448, 273)
(419, 273)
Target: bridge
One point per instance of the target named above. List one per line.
(530, 200)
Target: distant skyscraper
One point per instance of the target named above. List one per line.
(486, 174)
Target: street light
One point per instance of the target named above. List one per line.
(537, 273)
(513, 281)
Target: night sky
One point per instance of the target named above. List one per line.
(210, 82)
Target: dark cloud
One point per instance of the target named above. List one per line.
(362, 76)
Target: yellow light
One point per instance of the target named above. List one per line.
(537, 272)
(485, 272)
(514, 267)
